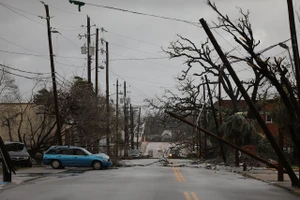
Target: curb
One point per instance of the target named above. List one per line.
(271, 183)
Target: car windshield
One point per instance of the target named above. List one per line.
(14, 147)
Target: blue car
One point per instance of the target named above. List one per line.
(70, 156)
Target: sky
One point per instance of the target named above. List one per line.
(135, 41)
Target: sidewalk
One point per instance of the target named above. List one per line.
(27, 174)
(270, 176)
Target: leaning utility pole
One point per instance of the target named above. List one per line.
(220, 94)
(294, 42)
(138, 129)
(58, 129)
(125, 123)
(296, 61)
(96, 61)
(204, 121)
(107, 101)
(88, 50)
(117, 119)
(131, 128)
(264, 127)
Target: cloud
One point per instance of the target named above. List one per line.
(147, 77)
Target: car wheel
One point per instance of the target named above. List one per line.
(55, 164)
(97, 165)
(29, 164)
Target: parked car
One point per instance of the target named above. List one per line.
(136, 153)
(70, 156)
(18, 154)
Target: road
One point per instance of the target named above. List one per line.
(146, 183)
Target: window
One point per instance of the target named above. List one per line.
(14, 147)
(64, 151)
(268, 118)
(79, 152)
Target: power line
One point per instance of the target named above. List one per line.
(39, 55)
(28, 72)
(59, 56)
(74, 44)
(26, 77)
(124, 36)
(71, 13)
(144, 14)
(146, 61)
(10, 8)
(63, 78)
(135, 49)
(32, 14)
(22, 53)
(16, 44)
(124, 59)
(140, 92)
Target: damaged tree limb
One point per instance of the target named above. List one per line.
(222, 140)
(279, 153)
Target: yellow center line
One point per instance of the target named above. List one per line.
(176, 174)
(194, 196)
(187, 196)
(180, 175)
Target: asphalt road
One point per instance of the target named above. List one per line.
(146, 183)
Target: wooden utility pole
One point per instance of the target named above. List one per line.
(138, 129)
(96, 61)
(296, 63)
(107, 101)
(125, 123)
(281, 157)
(204, 107)
(220, 94)
(194, 133)
(294, 42)
(88, 50)
(131, 127)
(58, 125)
(216, 120)
(280, 176)
(117, 119)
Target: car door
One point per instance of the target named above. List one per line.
(81, 158)
(64, 155)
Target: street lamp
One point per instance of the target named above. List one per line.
(282, 45)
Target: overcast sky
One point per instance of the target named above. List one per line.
(130, 36)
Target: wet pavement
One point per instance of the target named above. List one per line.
(152, 182)
(147, 166)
